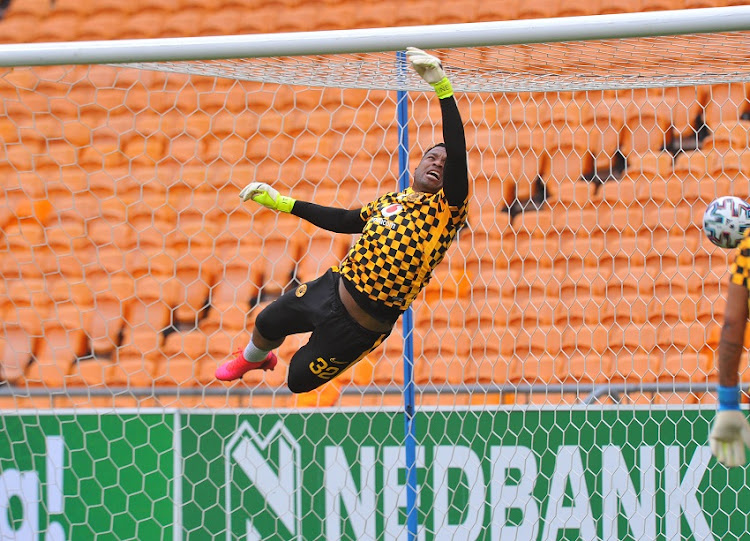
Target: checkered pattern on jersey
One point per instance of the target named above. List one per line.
(740, 269)
(385, 262)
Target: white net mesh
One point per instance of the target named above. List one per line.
(130, 270)
(687, 60)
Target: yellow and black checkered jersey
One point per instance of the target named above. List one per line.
(740, 268)
(406, 235)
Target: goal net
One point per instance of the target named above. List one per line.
(563, 353)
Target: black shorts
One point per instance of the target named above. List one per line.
(337, 341)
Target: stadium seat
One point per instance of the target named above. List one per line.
(635, 367)
(222, 22)
(620, 193)
(149, 313)
(195, 274)
(578, 9)
(319, 251)
(661, 5)
(132, 367)
(235, 286)
(568, 154)
(617, 6)
(440, 354)
(725, 104)
(280, 251)
(538, 9)
(730, 136)
(182, 356)
(23, 315)
(497, 10)
(387, 360)
(692, 166)
(693, 4)
(537, 369)
(620, 220)
(575, 365)
(112, 294)
(686, 106)
(732, 167)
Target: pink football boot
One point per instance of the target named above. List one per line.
(238, 367)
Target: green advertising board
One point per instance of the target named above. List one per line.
(520, 474)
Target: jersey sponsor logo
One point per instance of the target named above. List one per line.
(392, 210)
(385, 223)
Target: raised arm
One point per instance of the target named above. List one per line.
(455, 173)
(730, 434)
(329, 218)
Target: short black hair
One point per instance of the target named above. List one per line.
(434, 146)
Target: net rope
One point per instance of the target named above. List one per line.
(584, 65)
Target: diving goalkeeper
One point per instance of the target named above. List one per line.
(731, 431)
(352, 308)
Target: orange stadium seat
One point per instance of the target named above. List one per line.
(635, 367)
(195, 274)
(569, 192)
(19, 343)
(568, 150)
(149, 312)
(535, 369)
(319, 251)
(692, 166)
(497, 10)
(661, 5)
(235, 285)
(388, 360)
(440, 353)
(538, 9)
(112, 296)
(224, 21)
(63, 339)
(617, 6)
(132, 367)
(183, 355)
(578, 9)
(725, 104)
(576, 366)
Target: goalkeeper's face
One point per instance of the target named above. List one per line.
(428, 177)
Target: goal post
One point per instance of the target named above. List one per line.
(562, 363)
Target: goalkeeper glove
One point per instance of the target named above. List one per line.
(263, 194)
(731, 431)
(430, 69)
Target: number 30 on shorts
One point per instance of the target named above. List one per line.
(322, 369)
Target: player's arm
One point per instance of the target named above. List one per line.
(455, 172)
(329, 218)
(731, 431)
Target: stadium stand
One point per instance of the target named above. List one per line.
(130, 194)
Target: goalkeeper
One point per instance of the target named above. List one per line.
(731, 431)
(352, 308)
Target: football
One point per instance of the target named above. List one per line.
(725, 221)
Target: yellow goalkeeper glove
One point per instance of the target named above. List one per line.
(430, 69)
(263, 194)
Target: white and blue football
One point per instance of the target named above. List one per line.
(725, 221)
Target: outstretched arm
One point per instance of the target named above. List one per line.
(329, 218)
(730, 434)
(455, 173)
